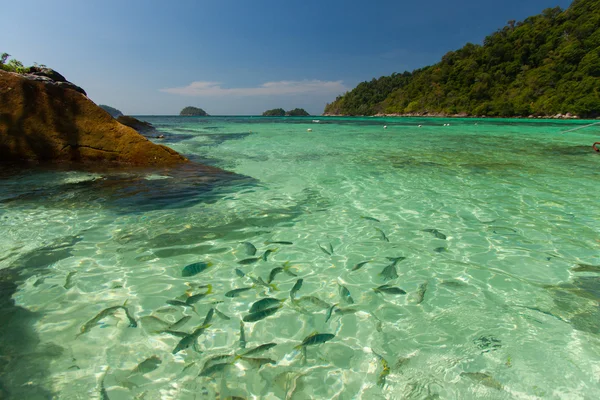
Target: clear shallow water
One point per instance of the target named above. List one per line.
(505, 312)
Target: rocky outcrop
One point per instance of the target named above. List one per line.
(193, 112)
(45, 120)
(111, 110)
(142, 127)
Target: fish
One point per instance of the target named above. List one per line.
(209, 316)
(260, 282)
(396, 260)
(330, 248)
(324, 250)
(248, 261)
(370, 218)
(385, 369)
(195, 268)
(257, 316)
(197, 297)
(103, 314)
(483, 378)
(267, 252)
(440, 249)
(279, 242)
(586, 268)
(242, 336)
(329, 312)
(214, 369)
(389, 272)
(436, 233)
(178, 324)
(239, 273)
(295, 288)
(214, 359)
(421, 292)
(263, 304)
(382, 235)
(175, 333)
(314, 300)
(345, 311)
(389, 289)
(221, 315)
(259, 349)
(360, 265)
(285, 268)
(190, 339)
(237, 292)
(69, 281)
(345, 294)
(316, 338)
(148, 365)
(249, 247)
(258, 362)
(103, 392)
(181, 303)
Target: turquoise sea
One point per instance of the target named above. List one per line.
(491, 227)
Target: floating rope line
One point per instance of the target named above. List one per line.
(581, 127)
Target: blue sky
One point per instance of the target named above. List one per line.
(235, 57)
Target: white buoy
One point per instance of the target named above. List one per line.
(385, 127)
(420, 126)
(309, 130)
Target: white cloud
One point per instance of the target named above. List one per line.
(266, 89)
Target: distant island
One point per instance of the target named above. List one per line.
(547, 65)
(280, 112)
(111, 110)
(193, 112)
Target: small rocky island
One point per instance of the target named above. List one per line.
(45, 118)
(193, 112)
(280, 112)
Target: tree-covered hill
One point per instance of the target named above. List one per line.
(193, 112)
(276, 112)
(547, 64)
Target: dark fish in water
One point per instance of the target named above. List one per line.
(69, 281)
(359, 265)
(260, 282)
(103, 392)
(345, 294)
(285, 268)
(175, 333)
(279, 242)
(263, 304)
(389, 272)
(389, 289)
(180, 303)
(195, 268)
(104, 313)
(345, 311)
(586, 268)
(436, 233)
(178, 324)
(247, 261)
(242, 336)
(209, 316)
(214, 369)
(258, 362)
(190, 339)
(329, 312)
(385, 369)
(440, 249)
(257, 316)
(330, 248)
(148, 365)
(454, 284)
(370, 218)
(237, 292)
(267, 252)
(316, 338)
(483, 378)
(197, 297)
(396, 260)
(239, 273)
(215, 359)
(421, 292)
(296, 287)
(382, 235)
(314, 300)
(221, 315)
(259, 349)
(250, 249)
(324, 250)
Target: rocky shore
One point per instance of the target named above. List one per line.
(45, 118)
(442, 115)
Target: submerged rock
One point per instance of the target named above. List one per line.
(45, 120)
